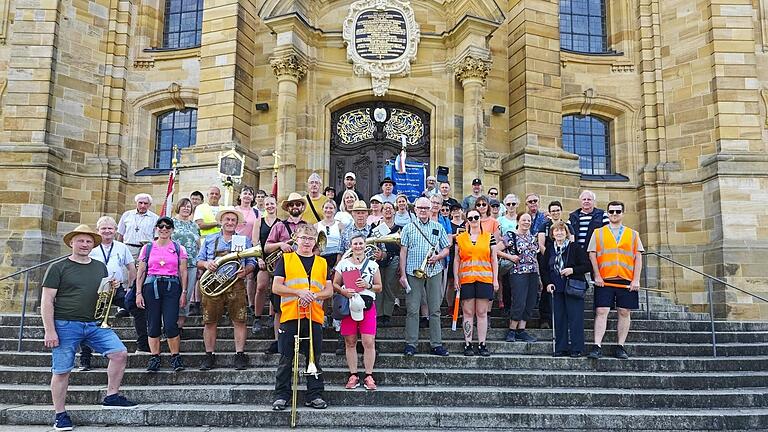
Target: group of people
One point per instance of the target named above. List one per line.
(435, 250)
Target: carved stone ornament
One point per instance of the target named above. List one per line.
(382, 38)
(290, 65)
(472, 68)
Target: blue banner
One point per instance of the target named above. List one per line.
(412, 183)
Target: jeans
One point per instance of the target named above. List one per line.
(430, 289)
(286, 343)
(74, 333)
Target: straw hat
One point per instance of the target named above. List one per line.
(230, 210)
(82, 229)
(359, 205)
(293, 197)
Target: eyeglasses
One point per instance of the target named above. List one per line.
(615, 211)
(473, 218)
(481, 205)
(510, 204)
(532, 201)
(164, 226)
(422, 208)
(306, 238)
(295, 204)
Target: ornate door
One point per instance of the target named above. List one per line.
(366, 135)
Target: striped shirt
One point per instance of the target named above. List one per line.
(418, 248)
(584, 219)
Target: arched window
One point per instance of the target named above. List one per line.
(174, 128)
(582, 26)
(183, 23)
(588, 137)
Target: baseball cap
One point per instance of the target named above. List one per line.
(356, 307)
(350, 174)
(476, 181)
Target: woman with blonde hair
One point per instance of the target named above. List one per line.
(348, 199)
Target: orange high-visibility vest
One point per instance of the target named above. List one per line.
(475, 259)
(616, 260)
(296, 278)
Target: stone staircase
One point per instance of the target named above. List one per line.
(671, 382)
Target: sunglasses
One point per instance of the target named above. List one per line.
(481, 205)
(512, 204)
(493, 193)
(473, 218)
(615, 211)
(532, 201)
(164, 226)
(295, 204)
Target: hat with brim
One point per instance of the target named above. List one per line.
(359, 205)
(388, 180)
(229, 210)
(293, 197)
(82, 229)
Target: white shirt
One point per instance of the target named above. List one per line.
(136, 227)
(365, 274)
(116, 256)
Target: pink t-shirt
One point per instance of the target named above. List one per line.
(246, 228)
(162, 259)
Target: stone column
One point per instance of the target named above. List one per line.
(472, 73)
(289, 70)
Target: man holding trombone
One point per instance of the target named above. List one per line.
(71, 292)
(302, 281)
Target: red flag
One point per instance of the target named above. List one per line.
(274, 186)
(167, 204)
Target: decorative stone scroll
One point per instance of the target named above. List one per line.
(382, 38)
(290, 65)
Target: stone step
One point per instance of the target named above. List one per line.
(426, 361)
(398, 396)
(225, 333)
(457, 346)
(451, 416)
(554, 377)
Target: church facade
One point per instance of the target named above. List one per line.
(661, 108)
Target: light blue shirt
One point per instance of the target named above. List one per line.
(418, 247)
(208, 253)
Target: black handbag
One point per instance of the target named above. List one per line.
(340, 307)
(576, 288)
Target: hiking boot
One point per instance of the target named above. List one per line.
(241, 361)
(353, 382)
(153, 364)
(122, 313)
(63, 422)
(209, 362)
(621, 353)
(176, 363)
(117, 401)
(523, 336)
(369, 383)
(469, 351)
(596, 352)
(482, 349)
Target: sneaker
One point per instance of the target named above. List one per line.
(468, 350)
(63, 422)
(85, 364)
(176, 363)
(279, 405)
(117, 401)
(440, 351)
(353, 382)
(621, 353)
(409, 351)
(596, 352)
(523, 336)
(482, 349)
(209, 362)
(256, 327)
(122, 313)
(272, 349)
(423, 322)
(316, 403)
(153, 365)
(510, 336)
(369, 383)
(241, 361)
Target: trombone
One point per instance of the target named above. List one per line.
(421, 272)
(311, 367)
(103, 304)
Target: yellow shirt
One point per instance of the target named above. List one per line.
(309, 216)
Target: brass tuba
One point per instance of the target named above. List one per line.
(271, 259)
(216, 283)
(370, 245)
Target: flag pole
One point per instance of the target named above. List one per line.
(171, 182)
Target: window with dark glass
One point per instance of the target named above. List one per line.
(177, 128)
(582, 26)
(588, 137)
(183, 23)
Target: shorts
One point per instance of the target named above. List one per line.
(71, 333)
(275, 300)
(477, 290)
(234, 300)
(367, 326)
(611, 297)
(191, 280)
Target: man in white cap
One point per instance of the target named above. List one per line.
(350, 180)
(70, 293)
(137, 227)
(234, 300)
(313, 213)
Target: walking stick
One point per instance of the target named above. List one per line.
(552, 317)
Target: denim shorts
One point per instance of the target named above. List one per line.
(71, 333)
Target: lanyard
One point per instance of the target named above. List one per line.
(618, 237)
(107, 255)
